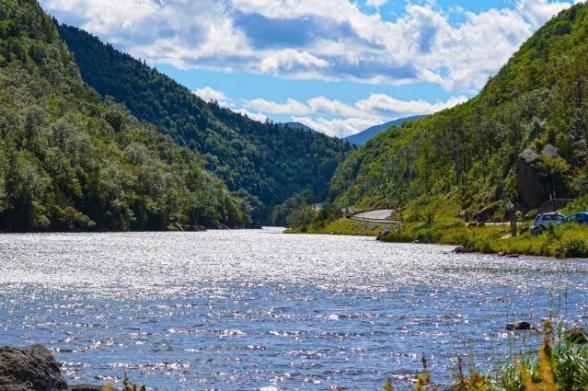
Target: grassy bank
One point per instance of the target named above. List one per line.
(342, 226)
(564, 241)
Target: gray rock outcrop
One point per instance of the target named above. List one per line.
(532, 187)
(531, 190)
(30, 369)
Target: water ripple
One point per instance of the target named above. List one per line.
(236, 310)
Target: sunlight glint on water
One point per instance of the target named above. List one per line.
(250, 309)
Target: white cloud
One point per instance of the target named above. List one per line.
(337, 118)
(209, 94)
(290, 60)
(254, 116)
(338, 127)
(375, 105)
(291, 106)
(309, 39)
(539, 11)
(327, 40)
(376, 3)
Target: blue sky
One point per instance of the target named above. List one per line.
(338, 66)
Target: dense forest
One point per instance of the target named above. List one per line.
(70, 160)
(265, 163)
(522, 140)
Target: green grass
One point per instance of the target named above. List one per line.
(564, 241)
(558, 365)
(343, 226)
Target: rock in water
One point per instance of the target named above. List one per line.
(519, 326)
(30, 369)
(577, 335)
(85, 387)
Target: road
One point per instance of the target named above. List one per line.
(374, 215)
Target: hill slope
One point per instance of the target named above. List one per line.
(522, 139)
(267, 163)
(365, 135)
(71, 161)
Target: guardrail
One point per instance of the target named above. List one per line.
(378, 221)
(350, 212)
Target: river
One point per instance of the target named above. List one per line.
(247, 310)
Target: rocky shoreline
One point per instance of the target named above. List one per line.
(34, 368)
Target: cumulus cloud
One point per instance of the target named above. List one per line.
(338, 127)
(340, 119)
(376, 3)
(538, 11)
(307, 39)
(209, 94)
(254, 116)
(331, 116)
(374, 106)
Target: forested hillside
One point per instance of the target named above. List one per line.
(266, 163)
(522, 139)
(71, 161)
(365, 135)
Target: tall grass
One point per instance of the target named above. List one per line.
(560, 364)
(564, 241)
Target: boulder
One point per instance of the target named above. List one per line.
(30, 369)
(84, 387)
(519, 326)
(577, 335)
(528, 181)
(487, 212)
(463, 250)
(382, 235)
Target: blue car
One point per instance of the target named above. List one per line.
(579, 217)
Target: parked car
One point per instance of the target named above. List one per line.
(544, 220)
(579, 217)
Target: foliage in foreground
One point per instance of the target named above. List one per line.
(71, 161)
(560, 364)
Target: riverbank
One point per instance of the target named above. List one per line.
(563, 241)
(341, 226)
(559, 364)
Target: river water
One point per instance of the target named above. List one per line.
(248, 310)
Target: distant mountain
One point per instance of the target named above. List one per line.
(264, 162)
(299, 126)
(72, 161)
(363, 136)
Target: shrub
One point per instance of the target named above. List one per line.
(572, 248)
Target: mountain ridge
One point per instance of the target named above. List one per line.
(467, 158)
(263, 162)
